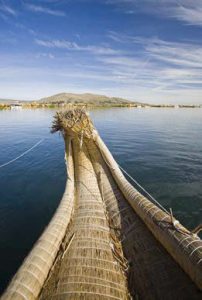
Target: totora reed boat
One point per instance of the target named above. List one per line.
(106, 239)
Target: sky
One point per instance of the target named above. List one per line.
(144, 50)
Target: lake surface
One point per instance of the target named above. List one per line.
(161, 148)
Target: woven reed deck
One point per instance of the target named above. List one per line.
(89, 267)
(113, 243)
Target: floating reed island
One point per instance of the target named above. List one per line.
(106, 240)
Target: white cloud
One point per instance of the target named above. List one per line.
(45, 10)
(45, 55)
(179, 54)
(8, 10)
(65, 44)
(147, 85)
(166, 68)
(187, 11)
(189, 15)
(160, 71)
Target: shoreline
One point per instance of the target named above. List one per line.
(18, 106)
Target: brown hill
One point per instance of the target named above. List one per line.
(84, 98)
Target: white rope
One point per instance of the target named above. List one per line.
(135, 181)
(143, 189)
(21, 155)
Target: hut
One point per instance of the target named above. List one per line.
(106, 240)
(16, 106)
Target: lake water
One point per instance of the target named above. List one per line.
(161, 148)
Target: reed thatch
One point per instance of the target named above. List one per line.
(115, 243)
(152, 273)
(181, 244)
(75, 122)
(30, 278)
(92, 266)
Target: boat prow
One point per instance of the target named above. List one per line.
(106, 240)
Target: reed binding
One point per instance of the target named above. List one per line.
(117, 243)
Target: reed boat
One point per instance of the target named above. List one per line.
(106, 240)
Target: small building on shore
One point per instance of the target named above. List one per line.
(16, 106)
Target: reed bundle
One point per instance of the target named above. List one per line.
(114, 243)
(152, 273)
(91, 267)
(76, 122)
(183, 246)
(30, 278)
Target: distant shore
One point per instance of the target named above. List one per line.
(21, 105)
(87, 100)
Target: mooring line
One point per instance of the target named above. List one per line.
(146, 192)
(21, 155)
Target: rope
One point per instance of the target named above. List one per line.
(173, 222)
(145, 191)
(21, 155)
(135, 181)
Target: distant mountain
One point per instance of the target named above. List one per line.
(87, 98)
(84, 98)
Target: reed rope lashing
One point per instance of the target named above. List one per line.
(89, 283)
(97, 278)
(83, 292)
(135, 181)
(81, 139)
(118, 257)
(115, 250)
(173, 222)
(22, 154)
(68, 246)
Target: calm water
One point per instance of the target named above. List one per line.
(161, 148)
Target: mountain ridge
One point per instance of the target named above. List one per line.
(87, 98)
(74, 98)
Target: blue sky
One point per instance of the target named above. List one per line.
(145, 50)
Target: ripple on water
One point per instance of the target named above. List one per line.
(162, 149)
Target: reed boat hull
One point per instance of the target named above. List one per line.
(106, 240)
